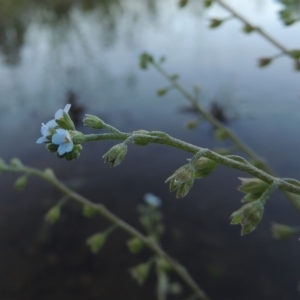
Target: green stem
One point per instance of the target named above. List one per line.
(259, 30)
(221, 159)
(210, 118)
(155, 247)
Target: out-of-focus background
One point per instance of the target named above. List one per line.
(86, 53)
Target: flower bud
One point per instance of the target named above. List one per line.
(248, 28)
(49, 174)
(222, 134)
(208, 3)
(89, 211)
(145, 59)
(96, 242)
(249, 216)
(15, 162)
(183, 3)
(52, 147)
(192, 124)
(252, 186)
(214, 23)
(65, 122)
(182, 180)
(295, 53)
(135, 245)
(115, 155)
(21, 182)
(77, 137)
(250, 197)
(204, 167)
(53, 214)
(283, 232)
(93, 122)
(265, 61)
(141, 271)
(162, 91)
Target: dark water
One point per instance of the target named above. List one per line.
(91, 48)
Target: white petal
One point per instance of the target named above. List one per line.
(64, 148)
(67, 108)
(42, 140)
(58, 139)
(51, 124)
(69, 147)
(63, 131)
(59, 114)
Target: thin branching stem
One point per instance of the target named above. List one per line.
(218, 125)
(263, 33)
(154, 246)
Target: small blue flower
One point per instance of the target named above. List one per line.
(46, 131)
(63, 138)
(59, 114)
(151, 199)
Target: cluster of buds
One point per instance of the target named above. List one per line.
(253, 188)
(250, 214)
(60, 135)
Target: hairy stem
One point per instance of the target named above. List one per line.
(154, 246)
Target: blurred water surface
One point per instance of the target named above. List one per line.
(54, 52)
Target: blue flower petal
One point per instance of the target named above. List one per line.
(59, 114)
(41, 140)
(51, 124)
(61, 149)
(58, 138)
(67, 108)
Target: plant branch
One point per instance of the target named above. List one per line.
(49, 176)
(259, 30)
(210, 118)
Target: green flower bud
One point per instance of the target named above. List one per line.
(145, 59)
(135, 245)
(222, 134)
(65, 122)
(208, 3)
(295, 54)
(248, 28)
(251, 197)
(162, 92)
(96, 242)
(204, 167)
(53, 214)
(182, 180)
(52, 147)
(89, 211)
(183, 3)
(77, 137)
(141, 272)
(265, 61)
(252, 186)
(283, 232)
(49, 173)
(192, 124)
(93, 122)
(115, 155)
(214, 23)
(249, 216)
(21, 182)
(15, 162)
